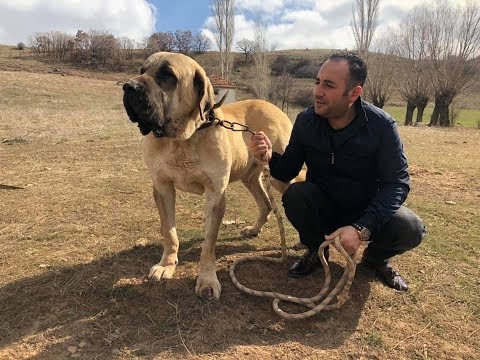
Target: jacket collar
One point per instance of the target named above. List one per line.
(360, 114)
(343, 135)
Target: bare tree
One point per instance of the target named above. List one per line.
(201, 43)
(246, 47)
(36, 42)
(364, 23)
(380, 82)
(453, 40)
(103, 47)
(126, 46)
(160, 41)
(54, 44)
(81, 45)
(224, 16)
(262, 69)
(284, 85)
(183, 41)
(411, 46)
(60, 42)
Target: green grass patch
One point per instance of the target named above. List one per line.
(469, 118)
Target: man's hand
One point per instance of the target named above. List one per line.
(348, 238)
(261, 147)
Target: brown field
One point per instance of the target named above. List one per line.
(79, 232)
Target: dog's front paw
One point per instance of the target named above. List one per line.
(208, 287)
(158, 272)
(250, 231)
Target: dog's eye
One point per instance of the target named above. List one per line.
(166, 78)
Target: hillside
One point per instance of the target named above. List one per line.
(243, 75)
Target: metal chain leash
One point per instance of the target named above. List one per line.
(232, 125)
(339, 292)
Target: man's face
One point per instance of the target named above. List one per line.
(331, 95)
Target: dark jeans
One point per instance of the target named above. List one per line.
(314, 215)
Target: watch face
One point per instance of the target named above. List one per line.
(365, 234)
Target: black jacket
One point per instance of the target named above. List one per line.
(361, 167)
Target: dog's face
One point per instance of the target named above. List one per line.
(170, 97)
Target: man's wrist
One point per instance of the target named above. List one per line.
(363, 232)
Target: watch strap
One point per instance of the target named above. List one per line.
(363, 232)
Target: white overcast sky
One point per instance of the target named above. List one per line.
(293, 24)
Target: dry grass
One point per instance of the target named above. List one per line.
(79, 231)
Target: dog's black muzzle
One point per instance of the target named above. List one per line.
(136, 104)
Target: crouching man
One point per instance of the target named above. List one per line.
(357, 174)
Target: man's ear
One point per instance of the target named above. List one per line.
(204, 91)
(357, 91)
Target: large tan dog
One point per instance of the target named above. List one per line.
(170, 101)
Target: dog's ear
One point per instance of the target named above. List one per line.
(204, 90)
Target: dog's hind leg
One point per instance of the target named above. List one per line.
(164, 195)
(208, 286)
(253, 182)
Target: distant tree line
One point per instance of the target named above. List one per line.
(95, 48)
(100, 48)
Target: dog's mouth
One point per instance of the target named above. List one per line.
(139, 112)
(156, 130)
(146, 128)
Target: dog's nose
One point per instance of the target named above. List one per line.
(133, 86)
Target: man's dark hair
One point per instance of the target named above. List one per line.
(357, 67)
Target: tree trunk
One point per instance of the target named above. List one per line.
(420, 111)
(422, 103)
(441, 114)
(381, 101)
(435, 114)
(409, 114)
(444, 116)
(222, 63)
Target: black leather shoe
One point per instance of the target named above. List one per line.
(306, 264)
(391, 277)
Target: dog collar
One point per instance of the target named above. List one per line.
(211, 121)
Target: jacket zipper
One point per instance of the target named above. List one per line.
(332, 155)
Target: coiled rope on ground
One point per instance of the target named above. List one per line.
(338, 293)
